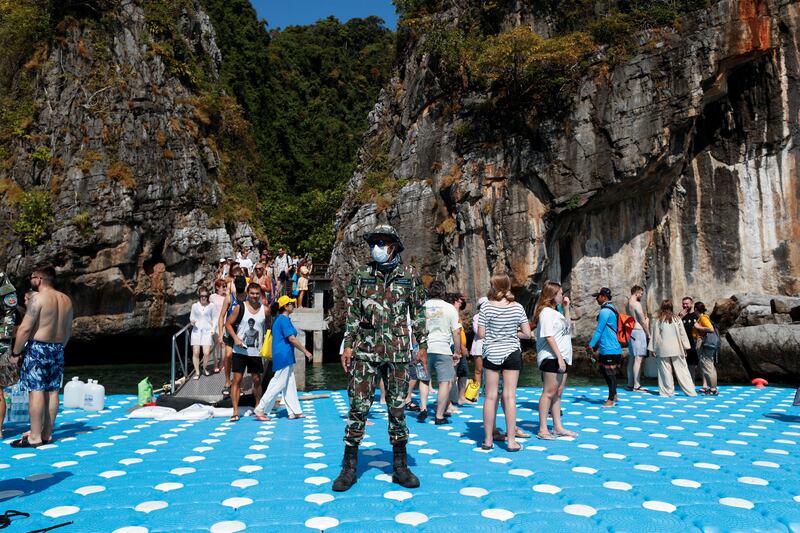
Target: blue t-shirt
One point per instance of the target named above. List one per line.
(606, 332)
(282, 350)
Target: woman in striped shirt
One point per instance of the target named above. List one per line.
(501, 324)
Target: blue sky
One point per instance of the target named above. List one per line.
(282, 13)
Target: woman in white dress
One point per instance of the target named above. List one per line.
(202, 319)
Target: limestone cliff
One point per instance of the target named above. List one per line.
(675, 168)
(122, 144)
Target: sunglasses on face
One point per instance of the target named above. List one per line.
(381, 243)
(204, 296)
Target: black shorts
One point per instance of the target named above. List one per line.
(610, 360)
(512, 362)
(241, 362)
(551, 366)
(227, 340)
(462, 368)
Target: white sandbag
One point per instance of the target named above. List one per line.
(155, 412)
(197, 411)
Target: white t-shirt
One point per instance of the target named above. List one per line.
(251, 331)
(441, 318)
(553, 324)
(477, 344)
(245, 262)
(281, 264)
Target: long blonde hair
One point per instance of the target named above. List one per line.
(500, 287)
(547, 298)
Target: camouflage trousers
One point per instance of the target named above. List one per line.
(361, 390)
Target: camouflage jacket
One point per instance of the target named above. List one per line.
(8, 312)
(380, 310)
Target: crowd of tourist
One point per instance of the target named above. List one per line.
(238, 282)
(675, 340)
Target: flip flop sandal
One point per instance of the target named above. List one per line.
(261, 417)
(703, 390)
(498, 436)
(411, 406)
(226, 391)
(713, 392)
(295, 417)
(206, 373)
(522, 435)
(24, 443)
(234, 418)
(485, 447)
(545, 436)
(517, 448)
(565, 434)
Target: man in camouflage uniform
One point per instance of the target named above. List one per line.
(9, 372)
(384, 298)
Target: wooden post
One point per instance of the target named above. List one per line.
(300, 362)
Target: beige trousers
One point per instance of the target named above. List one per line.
(666, 365)
(708, 369)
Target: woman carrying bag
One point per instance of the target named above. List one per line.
(284, 342)
(669, 342)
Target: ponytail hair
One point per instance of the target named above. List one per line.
(500, 287)
(274, 308)
(547, 298)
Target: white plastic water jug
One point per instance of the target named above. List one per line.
(94, 396)
(73, 393)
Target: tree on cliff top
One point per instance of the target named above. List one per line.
(306, 91)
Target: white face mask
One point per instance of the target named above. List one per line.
(380, 254)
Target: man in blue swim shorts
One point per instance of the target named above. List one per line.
(45, 330)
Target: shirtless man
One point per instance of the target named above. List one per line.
(637, 348)
(45, 330)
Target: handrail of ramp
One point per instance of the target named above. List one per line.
(185, 331)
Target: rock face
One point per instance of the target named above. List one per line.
(132, 176)
(675, 169)
(769, 350)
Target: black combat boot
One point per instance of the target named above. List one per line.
(347, 477)
(401, 474)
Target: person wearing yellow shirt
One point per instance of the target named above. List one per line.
(703, 327)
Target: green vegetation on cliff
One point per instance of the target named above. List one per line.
(518, 68)
(306, 92)
(285, 116)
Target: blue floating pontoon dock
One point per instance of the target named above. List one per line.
(726, 463)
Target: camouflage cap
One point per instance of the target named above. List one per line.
(385, 230)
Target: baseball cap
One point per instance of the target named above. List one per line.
(222, 259)
(605, 291)
(283, 300)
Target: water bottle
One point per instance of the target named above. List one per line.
(94, 396)
(19, 404)
(73, 393)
